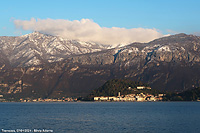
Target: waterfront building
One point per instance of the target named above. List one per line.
(131, 97)
(143, 87)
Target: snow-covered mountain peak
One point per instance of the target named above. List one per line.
(35, 33)
(37, 48)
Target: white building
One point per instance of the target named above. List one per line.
(111, 98)
(143, 87)
(116, 99)
(140, 87)
(139, 98)
(152, 98)
(101, 98)
(96, 98)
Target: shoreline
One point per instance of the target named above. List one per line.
(100, 102)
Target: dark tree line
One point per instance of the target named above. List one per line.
(112, 87)
(189, 95)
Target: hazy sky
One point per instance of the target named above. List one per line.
(104, 21)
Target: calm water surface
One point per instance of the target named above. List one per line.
(169, 117)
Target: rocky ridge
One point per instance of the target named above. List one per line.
(37, 48)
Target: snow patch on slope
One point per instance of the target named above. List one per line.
(164, 48)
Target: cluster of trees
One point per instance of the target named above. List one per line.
(189, 95)
(112, 87)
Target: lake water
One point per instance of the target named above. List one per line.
(133, 117)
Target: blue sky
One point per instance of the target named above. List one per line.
(166, 16)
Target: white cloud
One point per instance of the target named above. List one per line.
(88, 30)
(196, 33)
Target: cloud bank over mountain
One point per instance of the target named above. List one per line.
(88, 30)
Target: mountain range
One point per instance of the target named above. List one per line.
(39, 65)
(37, 48)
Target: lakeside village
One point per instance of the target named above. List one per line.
(64, 99)
(141, 97)
(68, 99)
